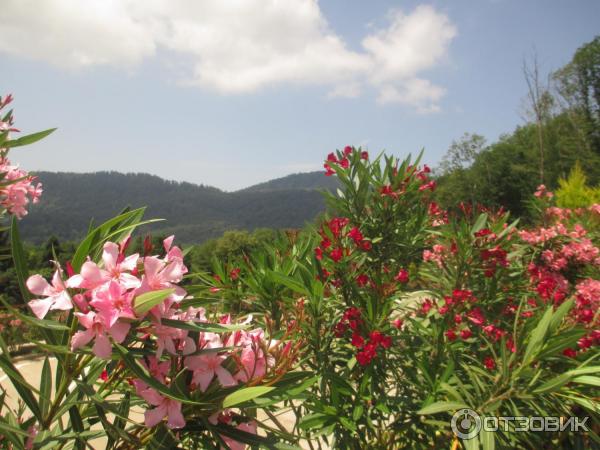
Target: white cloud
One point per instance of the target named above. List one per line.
(235, 46)
(73, 34)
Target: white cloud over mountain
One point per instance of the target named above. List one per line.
(236, 46)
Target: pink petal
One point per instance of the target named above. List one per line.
(81, 338)
(87, 320)
(129, 281)
(57, 281)
(40, 307)
(203, 377)
(175, 418)
(110, 255)
(225, 377)
(130, 262)
(168, 242)
(102, 347)
(152, 397)
(92, 274)
(38, 285)
(62, 301)
(154, 416)
(189, 346)
(151, 267)
(119, 331)
(75, 281)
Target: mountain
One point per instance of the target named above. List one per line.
(193, 212)
(306, 181)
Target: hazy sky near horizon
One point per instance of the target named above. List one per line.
(232, 93)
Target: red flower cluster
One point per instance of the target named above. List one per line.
(493, 258)
(341, 159)
(366, 348)
(334, 239)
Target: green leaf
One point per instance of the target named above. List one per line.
(559, 315)
(28, 139)
(245, 394)
(537, 336)
(554, 383)
(243, 436)
(479, 223)
(487, 440)
(14, 434)
(45, 386)
(201, 326)
(438, 407)
(98, 235)
(357, 413)
(587, 379)
(586, 370)
(162, 439)
(77, 424)
(289, 282)
(5, 427)
(145, 302)
(19, 260)
(314, 420)
(24, 389)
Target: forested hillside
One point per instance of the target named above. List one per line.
(194, 212)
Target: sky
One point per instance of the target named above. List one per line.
(230, 93)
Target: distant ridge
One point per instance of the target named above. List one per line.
(306, 181)
(193, 212)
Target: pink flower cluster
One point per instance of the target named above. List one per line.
(543, 192)
(105, 296)
(17, 187)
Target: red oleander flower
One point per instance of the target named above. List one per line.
(465, 333)
(402, 276)
(362, 280)
(336, 254)
(357, 340)
(489, 363)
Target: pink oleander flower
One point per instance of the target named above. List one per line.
(164, 407)
(115, 267)
(22, 190)
(56, 295)
(205, 367)
(163, 274)
(113, 301)
(172, 339)
(99, 328)
(543, 192)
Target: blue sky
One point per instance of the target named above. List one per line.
(232, 93)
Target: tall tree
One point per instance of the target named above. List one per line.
(539, 105)
(578, 84)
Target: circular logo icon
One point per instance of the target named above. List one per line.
(466, 423)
